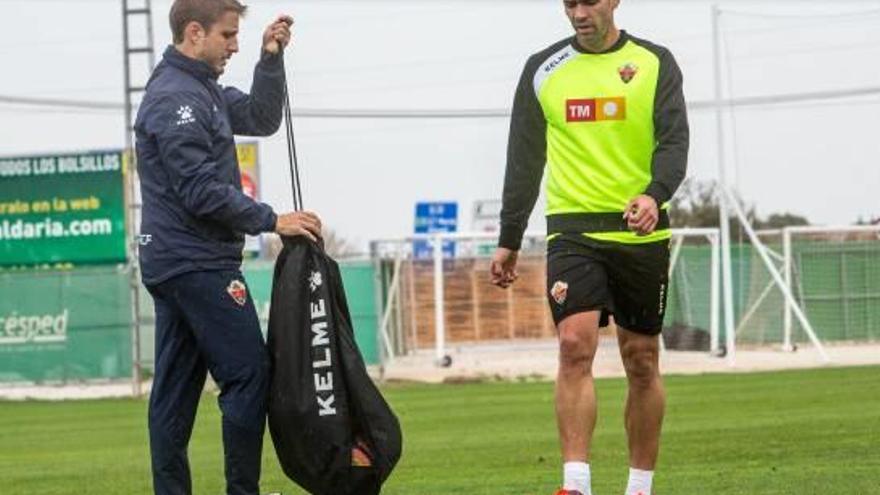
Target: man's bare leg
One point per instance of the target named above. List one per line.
(645, 402)
(575, 395)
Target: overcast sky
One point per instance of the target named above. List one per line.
(818, 159)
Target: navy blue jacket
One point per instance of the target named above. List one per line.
(194, 213)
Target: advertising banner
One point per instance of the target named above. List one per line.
(62, 209)
(61, 326)
(249, 167)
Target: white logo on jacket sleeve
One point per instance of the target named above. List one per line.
(185, 115)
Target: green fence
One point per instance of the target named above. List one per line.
(840, 288)
(65, 326)
(837, 284)
(70, 326)
(688, 303)
(359, 288)
(59, 326)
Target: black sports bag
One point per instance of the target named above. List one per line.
(334, 434)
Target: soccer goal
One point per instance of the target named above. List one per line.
(834, 274)
(794, 286)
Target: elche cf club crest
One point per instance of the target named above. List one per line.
(559, 292)
(238, 292)
(628, 72)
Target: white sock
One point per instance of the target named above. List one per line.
(576, 476)
(639, 482)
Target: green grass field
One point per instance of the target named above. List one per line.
(806, 432)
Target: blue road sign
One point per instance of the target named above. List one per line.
(432, 218)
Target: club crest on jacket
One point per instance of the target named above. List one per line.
(238, 292)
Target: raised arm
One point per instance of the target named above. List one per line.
(259, 113)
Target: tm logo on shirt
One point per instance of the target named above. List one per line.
(595, 109)
(185, 115)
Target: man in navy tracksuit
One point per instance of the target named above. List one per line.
(194, 220)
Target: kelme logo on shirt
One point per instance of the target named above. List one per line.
(595, 109)
(552, 64)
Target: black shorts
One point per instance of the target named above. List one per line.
(628, 281)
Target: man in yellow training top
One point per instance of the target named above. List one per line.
(604, 112)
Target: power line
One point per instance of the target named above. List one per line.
(61, 103)
(808, 16)
(56, 111)
(755, 101)
(466, 113)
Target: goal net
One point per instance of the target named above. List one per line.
(834, 275)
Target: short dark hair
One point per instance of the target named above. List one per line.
(205, 12)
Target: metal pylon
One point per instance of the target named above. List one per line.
(140, 58)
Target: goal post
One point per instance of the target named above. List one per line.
(694, 296)
(775, 273)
